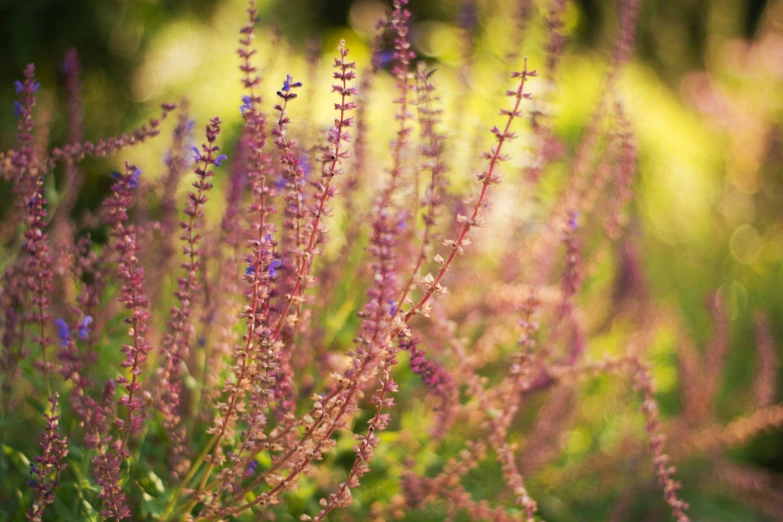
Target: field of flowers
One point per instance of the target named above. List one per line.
(414, 269)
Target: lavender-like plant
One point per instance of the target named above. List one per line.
(279, 362)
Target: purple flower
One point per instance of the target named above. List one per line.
(402, 224)
(17, 109)
(251, 468)
(280, 183)
(196, 154)
(573, 224)
(273, 266)
(220, 159)
(18, 86)
(392, 308)
(247, 104)
(288, 84)
(384, 58)
(189, 127)
(36, 86)
(134, 180)
(63, 332)
(84, 327)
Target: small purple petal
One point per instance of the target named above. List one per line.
(247, 104)
(384, 58)
(134, 181)
(63, 332)
(276, 263)
(84, 327)
(251, 468)
(573, 222)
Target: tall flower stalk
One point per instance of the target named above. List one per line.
(336, 152)
(49, 464)
(489, 176)
(432, 152)
(178, 340)
(114, 450)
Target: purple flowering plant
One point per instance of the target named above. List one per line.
(338, 334)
